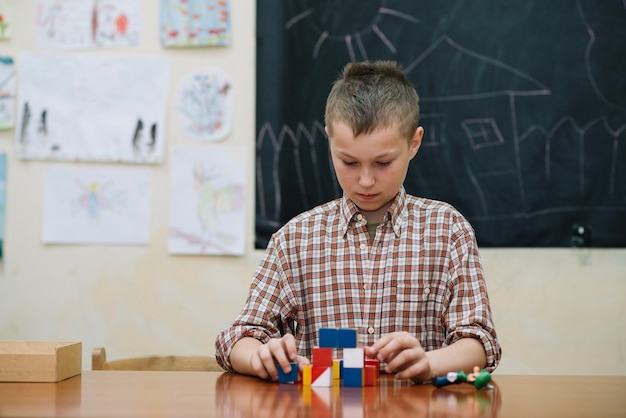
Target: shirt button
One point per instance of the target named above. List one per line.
(427, 291)
(396, 229)
(363, 246)
(370, 330)
(359, 217)
(365, 287)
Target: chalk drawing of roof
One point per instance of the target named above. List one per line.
(461, 74)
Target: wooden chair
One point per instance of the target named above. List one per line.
(154, 363)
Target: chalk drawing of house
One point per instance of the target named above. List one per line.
(468, 111)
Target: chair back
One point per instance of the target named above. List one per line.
(154, 363)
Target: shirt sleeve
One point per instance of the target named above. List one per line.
(264, 315)
(468, 314)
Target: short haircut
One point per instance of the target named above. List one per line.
(373, 95)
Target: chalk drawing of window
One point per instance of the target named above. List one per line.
(434, 129)
(482, 133)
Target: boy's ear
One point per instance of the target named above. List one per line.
(416, 141)
(326, 130)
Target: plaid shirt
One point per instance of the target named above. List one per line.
(421, 274)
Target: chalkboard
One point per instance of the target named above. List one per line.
(523, 103)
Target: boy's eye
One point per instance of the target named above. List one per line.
(349, 163)
(384, 163)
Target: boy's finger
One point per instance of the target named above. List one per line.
(289, 344)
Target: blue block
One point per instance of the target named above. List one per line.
(327, 337)
(346, 338)
(288, 377)
(352, 377)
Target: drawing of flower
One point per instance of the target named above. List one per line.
(3, 25)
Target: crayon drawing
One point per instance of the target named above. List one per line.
(204, 105)
(67, 24)
(6, 15)
(207, 208)
(96, 205)
(3, 199)
(7, 92)
(92, 108)
(191, 23)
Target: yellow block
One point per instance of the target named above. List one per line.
(337, 369)
(307, 374)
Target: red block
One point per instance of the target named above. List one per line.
(322, 357)
(370, 375)
(321, 376)
(375, 363)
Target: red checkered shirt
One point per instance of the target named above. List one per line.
(421, 274)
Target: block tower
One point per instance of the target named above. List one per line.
(352, 370)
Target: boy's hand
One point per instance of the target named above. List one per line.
(403, 355)
(281, 351)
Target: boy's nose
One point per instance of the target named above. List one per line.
(366, 178)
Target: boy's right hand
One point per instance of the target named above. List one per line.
(263, 358)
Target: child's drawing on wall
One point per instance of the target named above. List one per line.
(5, 19)
(97, 205)
(190, 23)
(7, 92)
(204, 105)
(95, 199)
(3, 198)
(65, 24)
(207, 208)
(92, 108)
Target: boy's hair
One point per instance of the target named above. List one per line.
(373, 95)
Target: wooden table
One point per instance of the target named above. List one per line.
(209, 394)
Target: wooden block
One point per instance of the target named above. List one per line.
(327, 337)
(322, 357)
(354, 358)
(346, 338)
(290, 377)
(352, 377)
(337, 366)
(307, 371)
(375, 363)
(29, 361)
(322, 376)
(370, 377)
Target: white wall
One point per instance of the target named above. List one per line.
(557, 311)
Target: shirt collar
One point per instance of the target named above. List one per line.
(349, 211)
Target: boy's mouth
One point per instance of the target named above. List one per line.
(364, 196)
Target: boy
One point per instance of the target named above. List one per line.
(404, 271)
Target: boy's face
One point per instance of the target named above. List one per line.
(372, 167)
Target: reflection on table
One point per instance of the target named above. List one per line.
(390, 398)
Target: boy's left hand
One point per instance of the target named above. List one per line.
(403, 355)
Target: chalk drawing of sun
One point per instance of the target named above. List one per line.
(353, 20)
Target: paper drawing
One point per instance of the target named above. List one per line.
(96, 205)
(6, 13)
(204, 104)
(7, 92)
(66, 24)
(191, 23)
(3, 198)
(92, 108)
(207, 208)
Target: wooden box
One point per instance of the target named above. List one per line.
(29, 361)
